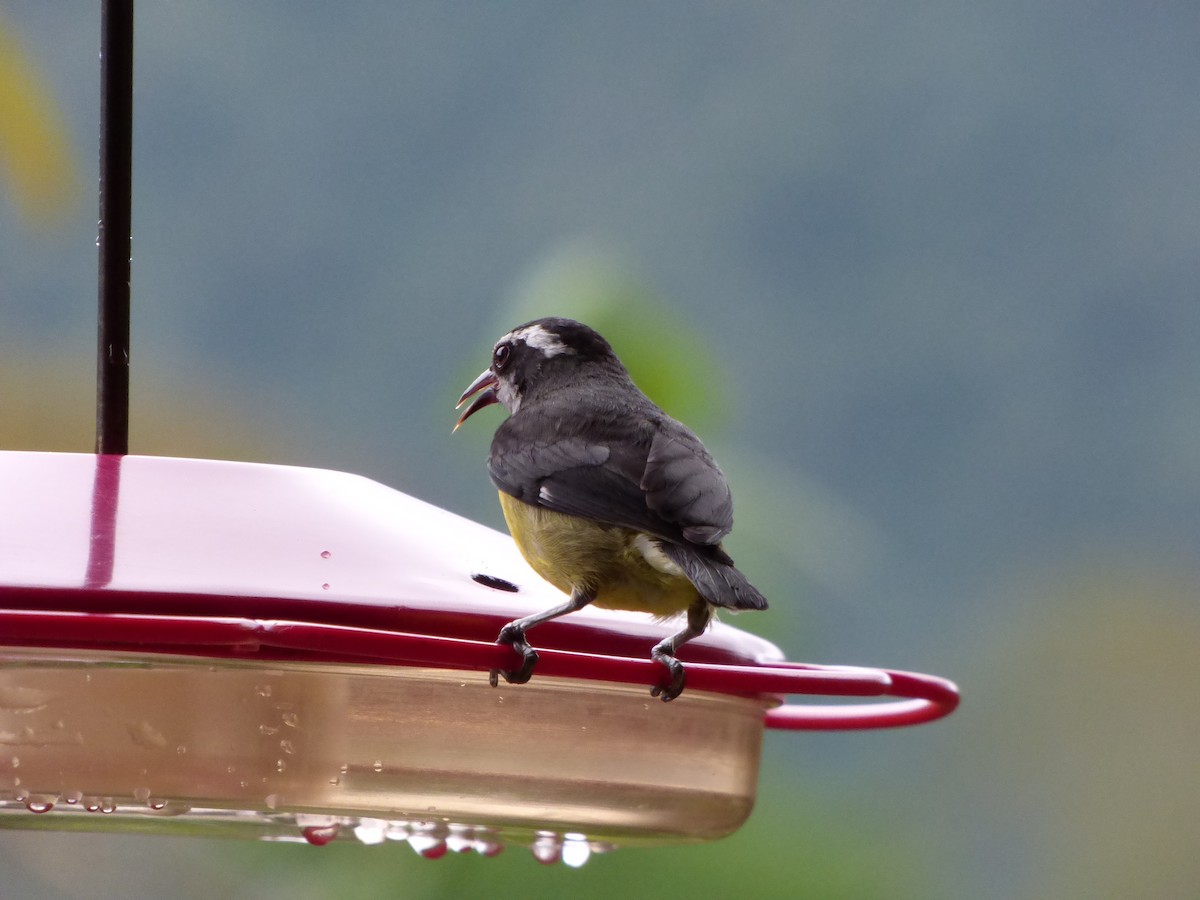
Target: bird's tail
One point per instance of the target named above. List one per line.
(713, 573)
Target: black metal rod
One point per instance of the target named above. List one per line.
(113, 237)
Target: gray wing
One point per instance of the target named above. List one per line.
(683, 485)
(667, 486)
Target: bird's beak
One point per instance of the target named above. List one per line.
(487, 379)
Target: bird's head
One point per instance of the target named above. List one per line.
(536, 358)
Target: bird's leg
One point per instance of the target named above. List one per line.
(513, 634)
(698, 616)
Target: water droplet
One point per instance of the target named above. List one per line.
(344, 768)
(73, 797)
(397, 831)
(546, 849)
(280, 765)
(459, 843)
(287, 747)
(320, 835)
(271, 801)
(575, 850)
(371, 831)
(268, 729)
(156, 804)
(181, 749)
(325, 554)
(325, 586)
(263, 690)
(16, 762)
(143, 734)
(142, 794)
(108, 805)
(428, 846)
(41, 804)
(378, 766)
(291, 719)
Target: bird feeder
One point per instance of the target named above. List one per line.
(220, 648)
(242, 649)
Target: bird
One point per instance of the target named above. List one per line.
(606, 496)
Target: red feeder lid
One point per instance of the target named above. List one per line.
(112, 562)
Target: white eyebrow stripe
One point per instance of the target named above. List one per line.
(540, 339)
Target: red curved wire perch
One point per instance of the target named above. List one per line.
(922, 698)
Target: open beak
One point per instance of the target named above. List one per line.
(487, 379)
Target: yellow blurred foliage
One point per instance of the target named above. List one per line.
(1085, 727)
(48, 403)
(35, 153)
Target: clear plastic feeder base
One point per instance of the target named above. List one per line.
(301, 751)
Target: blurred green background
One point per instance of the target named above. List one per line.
(923, 276)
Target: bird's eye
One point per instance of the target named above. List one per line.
(500, 357)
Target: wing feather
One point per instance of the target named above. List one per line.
(658, 479)
(683, 485)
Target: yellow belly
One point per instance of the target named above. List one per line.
(573, 553)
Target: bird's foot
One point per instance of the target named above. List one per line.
(678, 676)
(514, 636)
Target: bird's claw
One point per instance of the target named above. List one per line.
(515, 638)
(669, 692)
